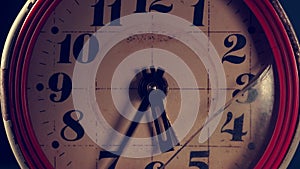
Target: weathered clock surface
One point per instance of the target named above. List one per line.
(150, 84)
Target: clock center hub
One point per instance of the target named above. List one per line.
(152, 80)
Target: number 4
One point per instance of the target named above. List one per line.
(237, 131)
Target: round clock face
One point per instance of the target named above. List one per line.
(148, 84)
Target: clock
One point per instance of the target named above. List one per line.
(151, 84)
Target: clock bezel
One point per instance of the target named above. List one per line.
(22, 136)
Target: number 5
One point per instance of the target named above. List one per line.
(198, 154)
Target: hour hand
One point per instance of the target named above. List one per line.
(154, 86)
(165, 133)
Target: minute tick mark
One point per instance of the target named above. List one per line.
(49, 133)
(229, 3)
(62, 154)
(45, 122)
(68, 10)
(61, 20)
(69, 163)
(76, 2)
(45, 52)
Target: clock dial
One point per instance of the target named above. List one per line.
(148, 84)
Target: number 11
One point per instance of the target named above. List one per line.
(98, 19)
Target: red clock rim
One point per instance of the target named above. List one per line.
(288, 81)
(277, 37)
(25, 138)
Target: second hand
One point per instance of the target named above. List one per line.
(258, 77)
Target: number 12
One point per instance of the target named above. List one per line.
(98, 19)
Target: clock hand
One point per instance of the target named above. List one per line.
(155, 86)
(152, 90)
(257, 78)
(131, 129)
(164, 131)
(114, 155)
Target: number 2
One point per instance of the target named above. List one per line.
(239, 44)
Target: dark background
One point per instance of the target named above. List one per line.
(8, 12)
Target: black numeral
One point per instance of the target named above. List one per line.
(65, 48)
(237, 131)
(141, 7)
(156, 164)
(107, 154)
(251, 94)
(60, 83)
(99, 13)
(115, 13)
(239, 44)
(192, 163)
(98, 19)
(154, 6)
(72, 124)
(198, 154)
(159, 7)
(92, 50)
(199, 13)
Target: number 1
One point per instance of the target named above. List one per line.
(198, 13)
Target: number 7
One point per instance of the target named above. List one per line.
(107, 154)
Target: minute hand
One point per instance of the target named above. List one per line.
(165, 133)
